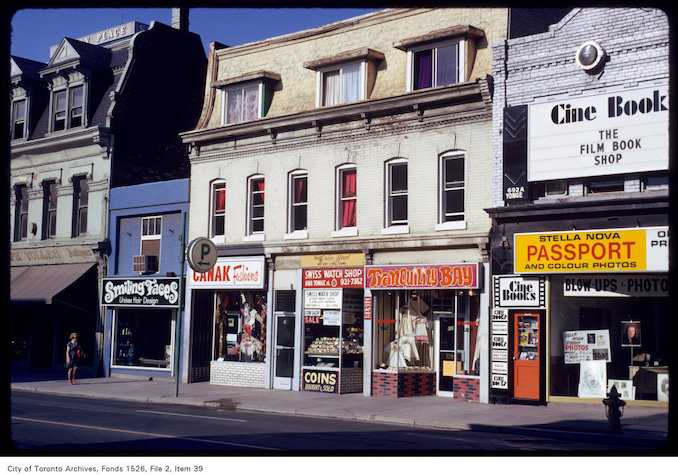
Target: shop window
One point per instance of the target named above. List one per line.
(240, 327)
(242, 103)
(555, 188)
(347, 197)
(432, 66)
(80, 205)
(396, 186)
(143, 338)
(49, 209)
(452, 188)
(298, 204)
(656, 182)
(19, 119)
(342, 84)
(218, 205)
(21, 213)
(256, 189)
(604, 186)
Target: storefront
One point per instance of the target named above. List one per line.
(228, 318)
(588, 310)
(426, 328)
(333, 328)
(143, 317)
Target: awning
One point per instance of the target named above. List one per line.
(39, 284)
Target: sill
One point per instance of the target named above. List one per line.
(400, 229)
(345, 232)
(218, 239)
(450, 225)
(302, 234)
(254, 237)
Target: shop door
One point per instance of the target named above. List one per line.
(526, 356)
(446, 361)
(284, 351)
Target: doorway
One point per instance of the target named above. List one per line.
(526, 355)
(283, 354)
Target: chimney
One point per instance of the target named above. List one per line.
(180, 18)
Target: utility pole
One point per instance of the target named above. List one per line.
(177, 339)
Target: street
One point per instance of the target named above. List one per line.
(49, 424)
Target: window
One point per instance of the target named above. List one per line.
(343, 84)
(242, 104)
(452, 188)
(298, 212)
(143, 338)
(555, 188)
(49, 209)
(433, 66)
(68, 108)
(151, 235)
(256, 205)
(80, 200)
(21, 212)
(240, 327)
(347, 197)
(218, 226)
(396, 212)
(605, 186)
(19, 119)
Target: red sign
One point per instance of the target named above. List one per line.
(367, 315)
(444, 276)
(342, 277)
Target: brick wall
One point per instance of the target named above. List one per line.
(467, 389)
(233, 373)
(403, 384)
(351, 380)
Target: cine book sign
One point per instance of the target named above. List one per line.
(606, 250)
(603, 134)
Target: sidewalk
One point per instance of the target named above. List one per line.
(644, 427)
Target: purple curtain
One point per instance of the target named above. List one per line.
(423, 67)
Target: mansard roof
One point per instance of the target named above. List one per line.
(71, 52)
(25, 68)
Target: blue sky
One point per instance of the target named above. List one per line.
(35, 30)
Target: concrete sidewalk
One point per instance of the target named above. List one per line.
(644, 427)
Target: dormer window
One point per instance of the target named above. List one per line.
(440, 58)
(19, 119)
(68, 108)
(246, 97)
(345, 77)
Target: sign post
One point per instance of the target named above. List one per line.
(177, 344)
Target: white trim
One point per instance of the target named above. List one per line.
(338, 205)
(254, 237)
(210, 223)
(450, 225)
(362, 88)
(399, 229)
(301, 234)
(240, 87)
(461, 61)
(346, 232)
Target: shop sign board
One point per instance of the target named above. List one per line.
(133, 292)
(52, 255)
(499, 367)
(201, 254)
(631, 285)
(332, 260)
(320, 381)
(499, 381)
(341, 277)
(231, 273)
(322, 298)
(586, 345)
(499, 342)
(519, 291)
(599, 250)
(602, 134)
(423, 276)
(368, 309)
(499, 355)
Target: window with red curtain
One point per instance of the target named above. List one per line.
(257, 189)
(219, 209)
(299, 203)
(348, 198)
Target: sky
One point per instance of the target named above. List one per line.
(34, 31)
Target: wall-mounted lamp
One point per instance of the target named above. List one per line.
(34, 229)
(590, 57)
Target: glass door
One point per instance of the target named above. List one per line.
(284, 351)
(446, 361)
(526, 356)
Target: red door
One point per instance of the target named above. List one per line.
(526, 355)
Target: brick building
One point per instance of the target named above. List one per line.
(342, 173)
(581, 166)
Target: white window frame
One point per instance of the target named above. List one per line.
(252, 235)
(443, 187)
(225, 91)
(291, 232)
(213, 211)
(340, 230)
(320, 81)
(391, 226)
(23, 121)
(461, 61)
(68, 111)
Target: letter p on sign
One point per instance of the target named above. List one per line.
(201, 254)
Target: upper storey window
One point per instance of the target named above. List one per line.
(19, 119)
(68, 108)
(441, 57)
(246, 97)
(345, 77)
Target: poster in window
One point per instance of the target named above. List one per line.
(624, 387)
(592, 377)
(663, 387)
(630, 336)
(586, 345)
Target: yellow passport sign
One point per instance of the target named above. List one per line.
(606, 250)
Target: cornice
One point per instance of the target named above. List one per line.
(72, 139)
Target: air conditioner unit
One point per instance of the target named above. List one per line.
(145, 264)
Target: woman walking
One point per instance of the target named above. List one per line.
(73, 355)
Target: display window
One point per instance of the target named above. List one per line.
(333, 336)
(599, 340)
(240, 326)
(143, 338)
(406, 335)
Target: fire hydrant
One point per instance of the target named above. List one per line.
(614, 409)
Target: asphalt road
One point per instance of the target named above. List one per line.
(48, 424)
